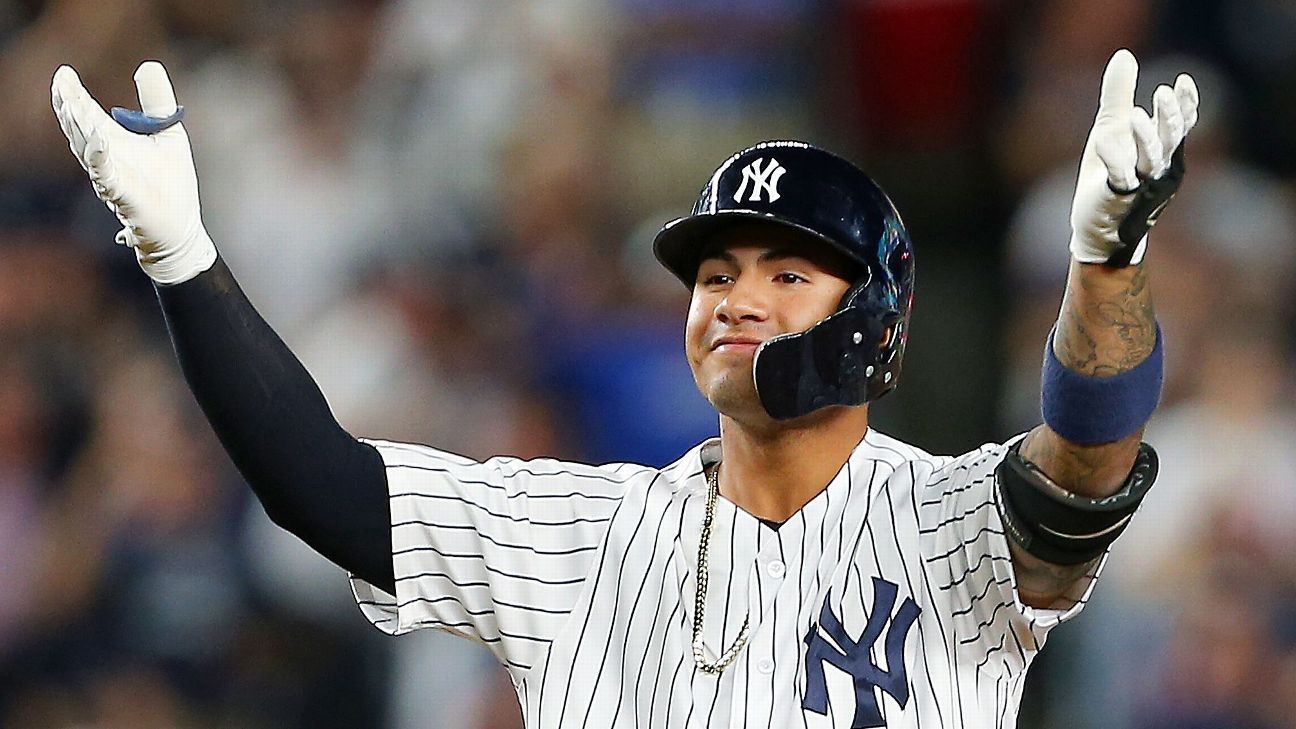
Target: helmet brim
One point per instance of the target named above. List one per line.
(679, 244)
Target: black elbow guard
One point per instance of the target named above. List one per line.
(1062, 527)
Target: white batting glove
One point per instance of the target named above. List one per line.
(1132, 165)
(146, 179)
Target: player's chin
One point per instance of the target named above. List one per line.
(734, 394)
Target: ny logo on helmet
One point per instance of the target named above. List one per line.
(766, 180)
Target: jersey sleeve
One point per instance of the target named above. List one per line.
(496, 551)
(966, 556)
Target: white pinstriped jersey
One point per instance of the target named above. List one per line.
(888, 600)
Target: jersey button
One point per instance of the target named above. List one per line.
(765, 666)
(776, 569)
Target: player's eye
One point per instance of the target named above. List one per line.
(717, 279)
(787, 277)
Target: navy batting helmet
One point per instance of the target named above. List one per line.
(853, 356)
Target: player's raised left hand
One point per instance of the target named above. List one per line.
(142, 168)
(1132, 165)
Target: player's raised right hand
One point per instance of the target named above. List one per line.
(146, 179)
(1132, 165)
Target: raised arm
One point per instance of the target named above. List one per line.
(313, 478)
(1103, 367)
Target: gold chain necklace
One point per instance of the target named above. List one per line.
(699, 651)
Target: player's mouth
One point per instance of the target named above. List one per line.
(736, 344)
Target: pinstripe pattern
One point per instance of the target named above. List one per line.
(580, 579)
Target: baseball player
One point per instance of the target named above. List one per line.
(800, 570)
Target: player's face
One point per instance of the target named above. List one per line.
(755, 282)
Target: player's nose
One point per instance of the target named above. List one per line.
(746, 300)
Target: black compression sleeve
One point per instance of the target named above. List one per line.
(312, 477)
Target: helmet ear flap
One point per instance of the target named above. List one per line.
(834, 362)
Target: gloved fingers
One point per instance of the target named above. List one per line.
(60, 89)
(56, 97)
(98, 163)
(1119, 79)
(76, 140)
(88, 126)
(156, 96)
(81, 140)
(1169, 125)
(103, 171)
(81, 107)
(61, 102)
(158, 109)
(1114, 146)
(1147, 143)
(1185, 90)
(61, 114)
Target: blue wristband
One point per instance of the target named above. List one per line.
(1095, 410)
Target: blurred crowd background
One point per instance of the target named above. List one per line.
(444, 206)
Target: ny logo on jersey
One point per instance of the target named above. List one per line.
(766, 180)
(828, 642)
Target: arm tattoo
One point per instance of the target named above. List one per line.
(1107, 326)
